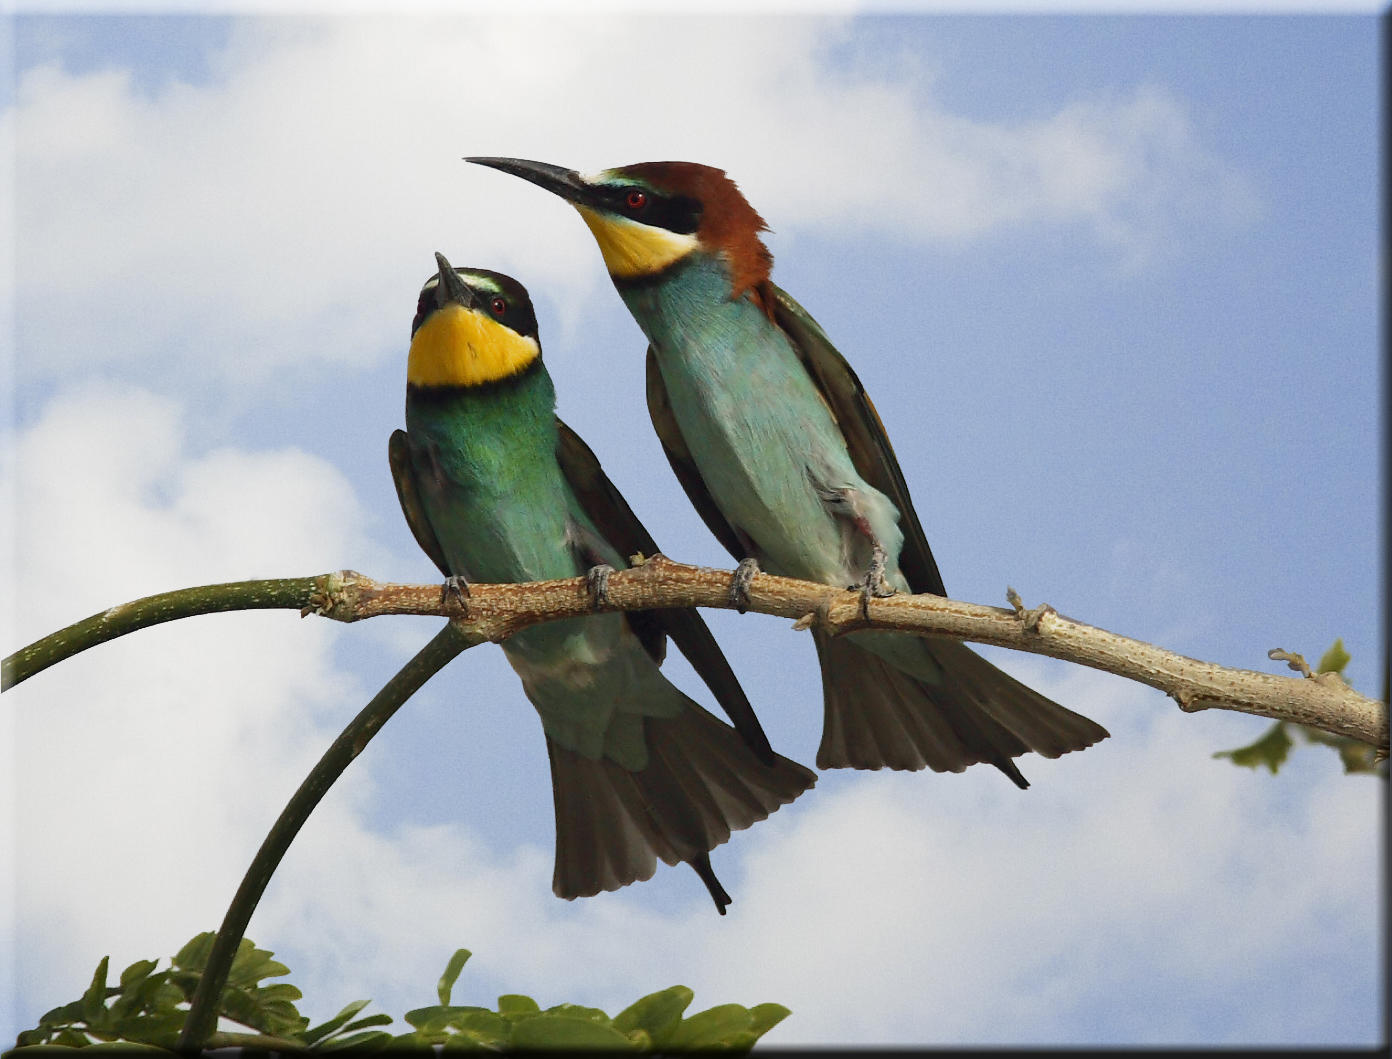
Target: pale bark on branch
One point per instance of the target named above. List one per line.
(494, 612)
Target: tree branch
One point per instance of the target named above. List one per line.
(296, 593)
(494, 612)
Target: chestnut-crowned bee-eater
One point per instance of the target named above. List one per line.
(780, 450)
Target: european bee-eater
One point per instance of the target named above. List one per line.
(784, 456)
(496, 489)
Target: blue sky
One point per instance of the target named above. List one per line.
(1112, 283)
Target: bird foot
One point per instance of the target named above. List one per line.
(874, 585)
(457, 586)
(740, 581)
(597, 583)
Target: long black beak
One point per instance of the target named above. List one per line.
(555, 179)
(451, 288)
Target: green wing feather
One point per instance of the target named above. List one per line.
(404, 475)
(606, 508)
(615, 520)
(684, 467)
(600, 498)
(866, 440)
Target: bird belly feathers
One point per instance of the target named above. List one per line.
(764, 440)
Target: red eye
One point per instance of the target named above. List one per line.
(498, 306)
(636, 200)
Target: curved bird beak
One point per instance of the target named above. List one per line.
(451, 288)
(559, 181)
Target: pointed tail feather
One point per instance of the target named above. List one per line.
(702, 867)
(1047, 728)
(701, 782)
(877, 716)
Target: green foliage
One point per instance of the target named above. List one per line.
(1270, 750)
(145, 1012)
(1275, 744)
(653, 1022)
(1335, 659)
(148, 1006)
(1356, 756)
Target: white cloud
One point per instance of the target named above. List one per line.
(149, 767)
(111, 507)
(952, 909)
(279, 215)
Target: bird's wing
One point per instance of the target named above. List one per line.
(617, 523)
(866, 441)
(684, 467)
(404, 475)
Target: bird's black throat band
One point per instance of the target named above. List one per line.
(442, 394)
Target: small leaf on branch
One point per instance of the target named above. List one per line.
(1270, 750)
(1356, 756)
(1335, 659)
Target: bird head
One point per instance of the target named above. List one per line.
(650, 216)
(472, 327)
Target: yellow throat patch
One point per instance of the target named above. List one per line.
(634, 249)
(463, 347)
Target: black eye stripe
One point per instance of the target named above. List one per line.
(676, 213)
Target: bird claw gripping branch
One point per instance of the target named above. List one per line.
(740, 581)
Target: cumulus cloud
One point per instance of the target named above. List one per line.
(273, 217)
(966, 912)
(146, 767)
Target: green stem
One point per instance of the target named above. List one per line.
(202, 1016)
(286, 593)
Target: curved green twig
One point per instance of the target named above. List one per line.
(202, 1016)
(291, 593)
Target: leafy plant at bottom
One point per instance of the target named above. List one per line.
(653, 1022)
(145, 1013)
